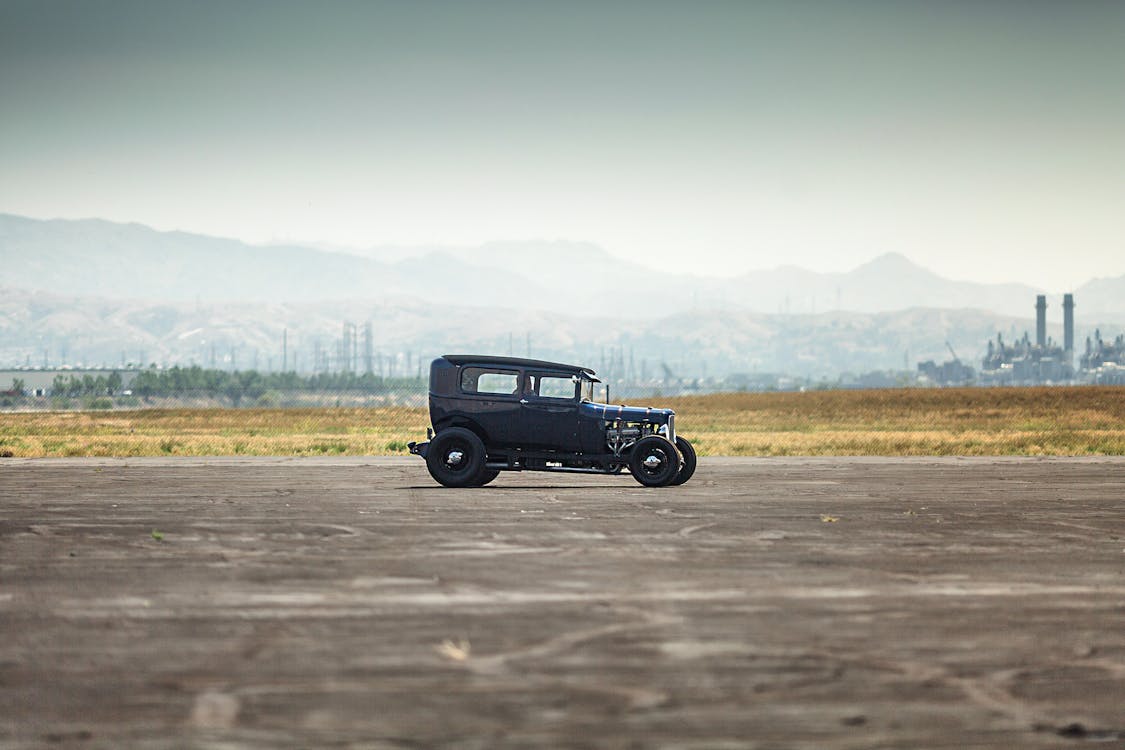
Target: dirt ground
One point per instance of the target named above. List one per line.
(768, 603)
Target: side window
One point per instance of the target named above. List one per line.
(491, 382)
(556, 386)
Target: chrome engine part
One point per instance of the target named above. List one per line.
(620, 436)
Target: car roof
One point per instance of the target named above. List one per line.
(484, 359)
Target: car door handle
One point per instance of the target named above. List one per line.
(523, 400)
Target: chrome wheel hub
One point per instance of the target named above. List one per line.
(652, 462)
(454, 458)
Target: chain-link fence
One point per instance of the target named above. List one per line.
(193, 411)
(381, 418)
(197, 388)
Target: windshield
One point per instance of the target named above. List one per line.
(587, 390)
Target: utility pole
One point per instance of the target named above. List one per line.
(345, 348)
(355, 349)
(284, 349)
(368, 348)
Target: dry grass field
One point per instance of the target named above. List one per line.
(1060, 421)
(1063, 421)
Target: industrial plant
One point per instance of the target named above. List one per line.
(1042, 362)
(1104, 363)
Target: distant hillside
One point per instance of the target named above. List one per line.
(92, 331)
(1101, 297)
(130, 261)
(889, 282)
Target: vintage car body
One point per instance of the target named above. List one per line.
(491, 414)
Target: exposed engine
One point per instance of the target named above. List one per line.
(621, 436)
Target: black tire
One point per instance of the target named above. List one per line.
(687, 461)
(455, 458)
(653, 461)
(488, 476)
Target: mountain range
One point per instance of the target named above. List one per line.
(95, 292)
(131, 261)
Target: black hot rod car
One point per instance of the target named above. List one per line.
(493, 414)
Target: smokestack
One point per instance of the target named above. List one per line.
(1068, 324)
(1041, 320)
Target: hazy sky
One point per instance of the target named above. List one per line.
(985, 140)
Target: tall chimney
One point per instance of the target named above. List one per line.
(1041, 320)
(1068, 325)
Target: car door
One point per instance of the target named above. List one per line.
(490, 397)
(549, 412)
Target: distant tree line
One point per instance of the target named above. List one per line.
(253, 384)
(87, 385)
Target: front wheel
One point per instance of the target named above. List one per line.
(653, 461)
(687, 467)
(455, 458)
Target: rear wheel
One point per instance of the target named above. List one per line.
(488, 476)
(687, 465)
(653, 461)
(455, 458)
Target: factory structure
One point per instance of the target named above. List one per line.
(1043, 361)
(1104, 362)
(953, 372)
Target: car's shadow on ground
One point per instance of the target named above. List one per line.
(524, 487)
